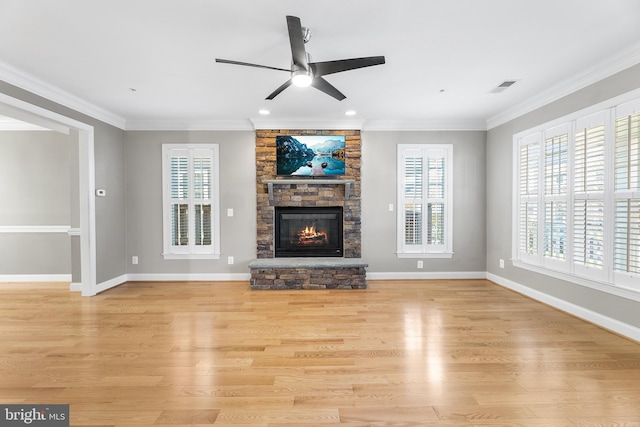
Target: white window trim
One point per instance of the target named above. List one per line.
(426, 251)
(607, 281)
(214, 251)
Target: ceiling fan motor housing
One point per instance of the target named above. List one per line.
(301, 76)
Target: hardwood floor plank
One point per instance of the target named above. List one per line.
(293, 416)
(425, 353)
(188, 417)
(374, 414)
(483, 412)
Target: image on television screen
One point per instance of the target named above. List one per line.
(310, 155)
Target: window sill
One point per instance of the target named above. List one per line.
(191, 256)
(425, 255)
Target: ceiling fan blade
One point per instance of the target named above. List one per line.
(326, 87)
(279, 90)
(331, 67)
(247, 64)
(296, 39)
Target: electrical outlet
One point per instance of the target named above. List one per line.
(134, 259)
(501, 263)
(420, 264)
(230, 260)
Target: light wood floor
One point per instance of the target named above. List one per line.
(428, 353)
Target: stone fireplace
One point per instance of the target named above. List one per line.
(275, 269)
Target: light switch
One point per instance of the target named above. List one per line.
(230, 212)
(390, 207)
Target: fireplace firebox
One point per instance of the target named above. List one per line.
(308, 231)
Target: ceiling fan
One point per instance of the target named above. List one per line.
(307, 73)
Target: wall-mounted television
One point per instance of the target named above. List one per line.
(310, 155)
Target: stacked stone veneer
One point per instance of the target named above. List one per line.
(314, 273)
(307, 195)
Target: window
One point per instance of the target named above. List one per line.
(424, 200)
(190, 201)
(577, 210)
(588, 195)
(528, 213)
(626, 250)
(555, 195)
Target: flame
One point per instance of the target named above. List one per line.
(311, 236)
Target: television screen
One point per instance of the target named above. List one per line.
(310, 155)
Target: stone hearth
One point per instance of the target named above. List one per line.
(308, 273)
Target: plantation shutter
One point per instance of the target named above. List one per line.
(202, 171)
(529, 170)
(413, 178)
(626, 251)
(179, 198)
(436, 231)
(588, 189)
(556, 151)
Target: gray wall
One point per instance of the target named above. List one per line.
(144, 201)
(238, 191)
(109, 166)
(110, 210)
(35, 172)
(499, 200)
(379, 152)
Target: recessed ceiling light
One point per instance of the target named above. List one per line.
(350, 113)
(264, 112)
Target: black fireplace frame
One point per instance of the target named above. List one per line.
(333, 250)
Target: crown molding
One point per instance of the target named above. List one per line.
(259, 124)
(187, 125)
(425, 125)
(306, 124)
(38, 87)
(616, 63)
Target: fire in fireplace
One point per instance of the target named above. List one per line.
(308, 231)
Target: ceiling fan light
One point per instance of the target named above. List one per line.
(301, 78)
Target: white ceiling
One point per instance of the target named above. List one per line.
(443, 58)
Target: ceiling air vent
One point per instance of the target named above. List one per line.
(503, 86)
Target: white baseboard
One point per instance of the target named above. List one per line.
(111, 283)
(196, 277)
(427, 275)
(15, 278)
(606, 322)
(101, 287)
